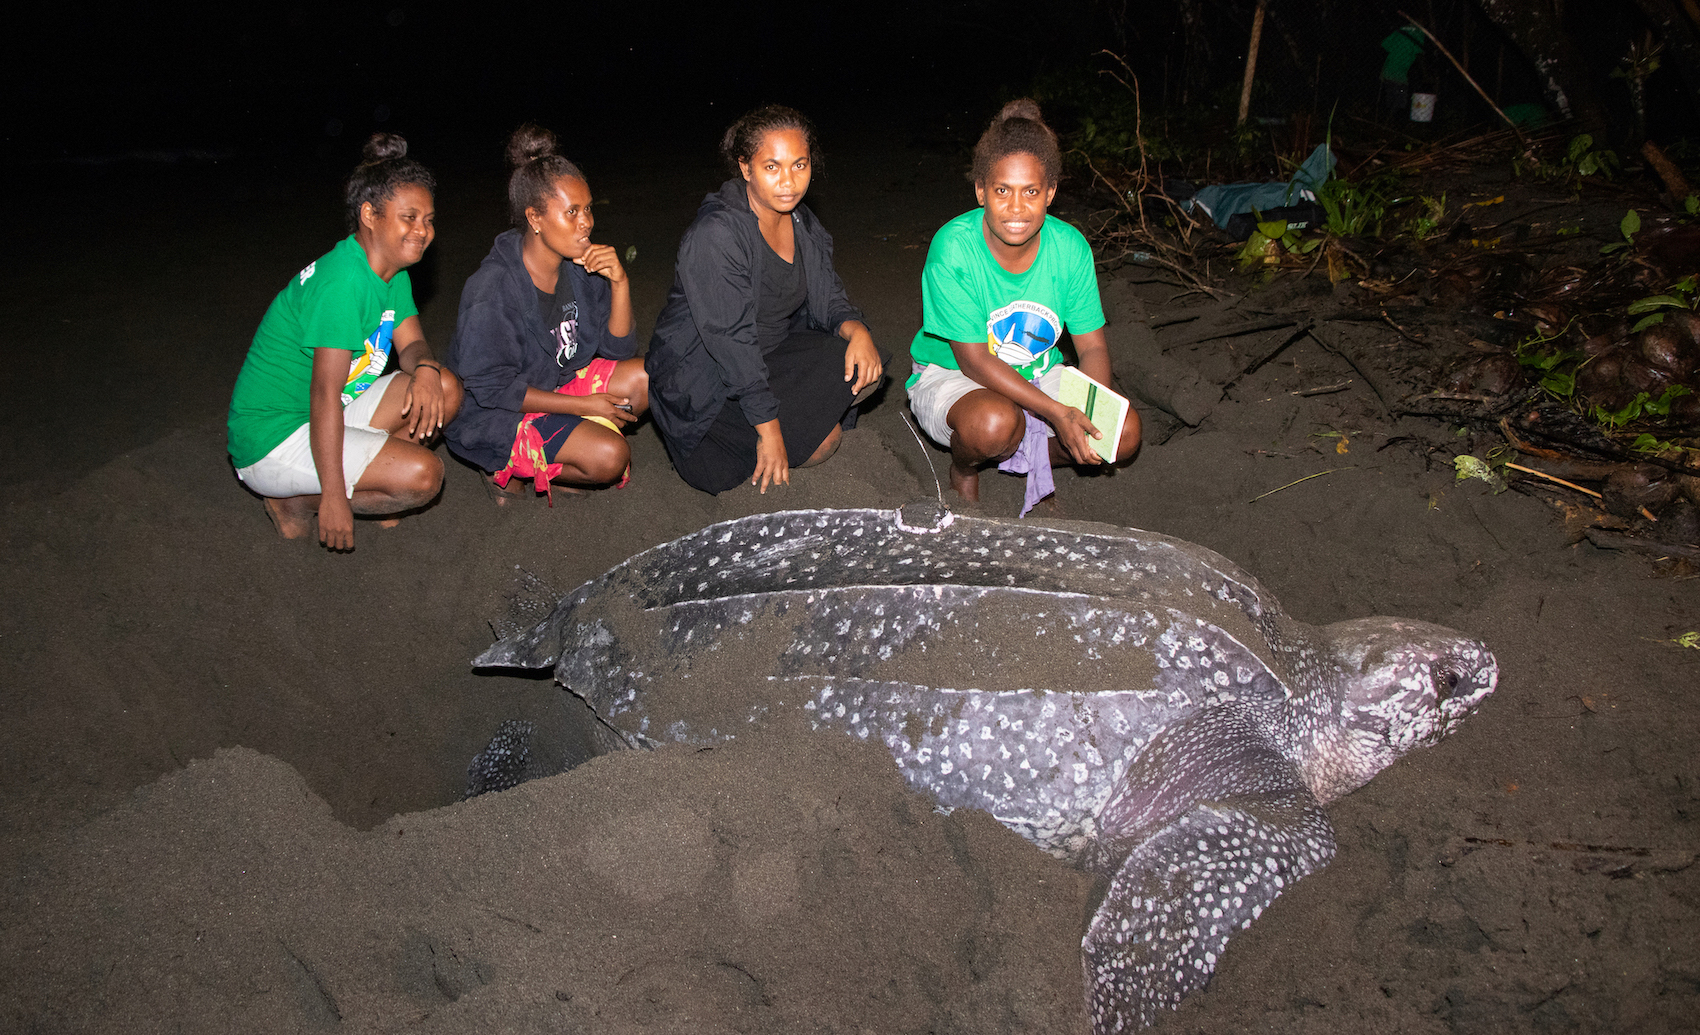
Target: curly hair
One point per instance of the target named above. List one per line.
(743, 138)
(1017, 129)
(383, 170)
(537, 165)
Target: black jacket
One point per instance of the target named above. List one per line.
(704, 351)
(501, 347)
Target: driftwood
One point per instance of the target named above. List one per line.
(1609, 540)
(1607, 449)
(1674, 181)
(1251, 59)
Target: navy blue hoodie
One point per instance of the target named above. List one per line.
(501, 347)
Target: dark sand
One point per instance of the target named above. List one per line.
(231, 763)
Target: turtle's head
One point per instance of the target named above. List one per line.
(1390, 685)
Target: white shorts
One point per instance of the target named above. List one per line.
(940, 387)
(288, 470)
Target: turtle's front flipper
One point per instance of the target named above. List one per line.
(1186, 888)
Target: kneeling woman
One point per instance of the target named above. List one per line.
(544, 339)
(758, 354)
(1002, 284)
(309, 409)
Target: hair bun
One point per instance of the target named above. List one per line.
(529, 143)
(1020, 108)
(384, 146)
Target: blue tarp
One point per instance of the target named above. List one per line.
(1223, 201)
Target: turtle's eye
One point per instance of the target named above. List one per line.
(1446, 681)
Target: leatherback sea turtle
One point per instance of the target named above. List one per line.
(1130, 702)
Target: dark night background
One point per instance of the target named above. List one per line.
(294, 81)
(308, 81)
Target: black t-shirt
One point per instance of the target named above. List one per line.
(784, 289)
(559, 313)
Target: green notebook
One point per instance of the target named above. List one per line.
(1103, 407)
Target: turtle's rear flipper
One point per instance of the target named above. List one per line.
(1185, 889)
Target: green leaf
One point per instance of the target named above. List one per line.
(1468, 466)
(1647, 305)
(1661, 406)
(1647, 321)
(1275, 229)
(1618, 418)
(1631, 224)
(1561, 385)
(1645, 443)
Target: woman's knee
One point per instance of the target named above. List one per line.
(454, 393)
(827, 447)
(409, 474)
(632, 381)
(593, 455)
(1132, 431)
(986, 425)
(424, 473)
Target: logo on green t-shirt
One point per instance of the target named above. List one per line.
(1024, 334)
(365, 367)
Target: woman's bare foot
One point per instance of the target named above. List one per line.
(292, 516)
(502, 496)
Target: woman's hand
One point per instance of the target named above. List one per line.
(862, 364)
(423, 404)
(773, 467)
(617, 408)
(604, 261)
(1073, 431)
(336, 521)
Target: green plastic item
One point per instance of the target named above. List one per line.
(1403, 47)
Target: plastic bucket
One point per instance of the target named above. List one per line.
(1422, 107)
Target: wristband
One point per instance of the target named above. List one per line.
(428, 363)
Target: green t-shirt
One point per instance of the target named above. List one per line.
(966, 296)
(337, 302)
